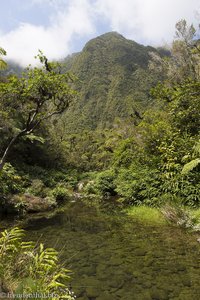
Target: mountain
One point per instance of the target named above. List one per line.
(114, 81)
(12, 69)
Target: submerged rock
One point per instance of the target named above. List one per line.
(158, 294)
(92, 286)
(106, 296)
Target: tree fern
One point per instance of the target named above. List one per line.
(193, 163)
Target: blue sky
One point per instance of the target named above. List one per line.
(61, 27)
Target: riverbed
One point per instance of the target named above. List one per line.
(112, 256)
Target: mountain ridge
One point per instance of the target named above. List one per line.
(114, 81)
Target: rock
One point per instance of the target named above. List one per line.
(158, 294)
(92, 286)
(80, 186)
(186, 281)
(32, 203)
(140, 252)
(114, 261)
(106, 296)
(116, 282)
(92, 292)
(88, 270)
(185, 295)
(147, 284)
(83, 298)
(181, 268)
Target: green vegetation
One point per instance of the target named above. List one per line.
(153, 160)
(29, 269)
(146, 215)
(3, 64)
(28, 101)
(131, 138)
(142, 105)
(114, 82)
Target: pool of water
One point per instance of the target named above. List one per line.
(113, 257)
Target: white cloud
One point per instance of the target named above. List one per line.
(23, 42)
(150, 21)
(146, 21)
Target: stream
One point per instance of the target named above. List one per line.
(113, 257)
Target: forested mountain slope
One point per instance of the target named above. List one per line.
(113, 81)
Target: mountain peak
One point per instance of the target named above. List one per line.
(113, 81)
(106, 38)
(111, 34)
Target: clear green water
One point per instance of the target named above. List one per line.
(114, 257)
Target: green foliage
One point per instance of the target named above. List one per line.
(11, 181)
(28, 101)
(38, 188)
(102, 184)
(26, 268)
(190, 166)
(138, 143)
(61, 193)
(138, 185)
(105, 183)
(113, 82)
(3, 64)
(44, 179)
(123, 155)
(193, 163)
(146, 215)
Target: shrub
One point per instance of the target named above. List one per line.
(10, 181)
(37, 188)
(105, 183)
(138, 185)
(29, 269)
(91, 188)
(101, 184)
(60, 193)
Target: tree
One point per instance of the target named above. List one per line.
(3, 64)
(28, 101)
(184, 60)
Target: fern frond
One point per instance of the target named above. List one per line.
(197, 148)
(190, 166)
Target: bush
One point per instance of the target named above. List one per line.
(29, 269)
(61, 193)
(105, 183)
(38, 188)
(101, 184)
(138, 185)
(10, 181)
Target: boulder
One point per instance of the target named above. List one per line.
(32, 204)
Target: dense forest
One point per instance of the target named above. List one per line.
(118, 121)
(128, 123)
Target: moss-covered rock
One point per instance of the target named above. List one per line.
(31, 204)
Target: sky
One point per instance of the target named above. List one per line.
(62, 27)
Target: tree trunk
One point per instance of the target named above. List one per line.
(8, 149)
